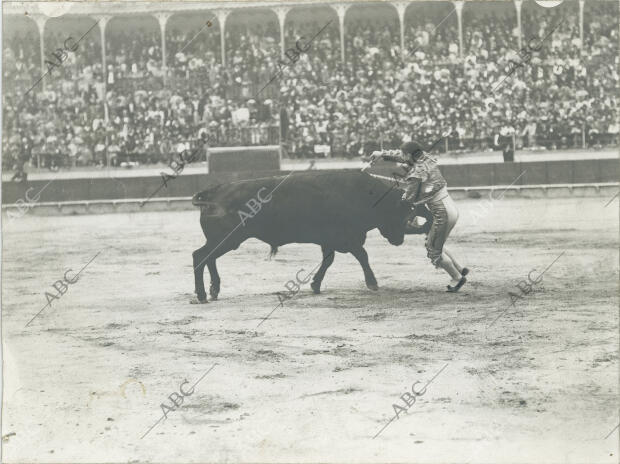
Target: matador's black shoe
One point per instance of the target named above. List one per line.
(458, 286)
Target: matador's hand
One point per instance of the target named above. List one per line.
(375, 155)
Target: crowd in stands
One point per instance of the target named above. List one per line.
(565, 94)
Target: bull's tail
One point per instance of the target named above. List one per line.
(273, 252)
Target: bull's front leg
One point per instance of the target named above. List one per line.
(199, 258)
(328, 259)
(369, 276)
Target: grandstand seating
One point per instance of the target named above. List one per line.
(566, 96)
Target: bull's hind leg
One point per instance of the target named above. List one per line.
(199, 258)
(214, 288)
(223, 247)
(328, 259)
(206, 256)
(361, 255)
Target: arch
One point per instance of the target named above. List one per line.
(248, 70)
(489, 28)
(595, 28)
(537, 21)
(370, 24)
(431, 25)
(192, 42)
(323, 56)
(22, 54)
(122, 30)
(85, 39)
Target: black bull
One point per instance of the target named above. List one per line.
(332, 209)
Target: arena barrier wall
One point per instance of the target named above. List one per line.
(606, 190)
(600, 171)
(238, 159)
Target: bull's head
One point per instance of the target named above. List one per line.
(393, 214)
(397, 216)
(199, 199)
(209, 208)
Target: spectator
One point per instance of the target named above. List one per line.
(560, 97)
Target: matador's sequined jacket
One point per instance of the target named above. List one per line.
(423, 179)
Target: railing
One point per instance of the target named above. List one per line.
(200, 79)
(221, 137)
(314, 149)
(579, 140)
(270, 135)
(247, 136)
(126, 85)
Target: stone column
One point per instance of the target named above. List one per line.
(341, 10)
(518, 5)
(162, 19)
(221, 17)
(401, 7)
(581, 5)
(281, 12)
(41, 20)
(103, 21)
(458, 5)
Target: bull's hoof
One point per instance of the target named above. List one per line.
(198, 300)
(214, 292)
(316, 287)
(372, 286)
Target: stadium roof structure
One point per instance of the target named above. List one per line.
(104, 11)
(78, 8)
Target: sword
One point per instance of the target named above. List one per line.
(370, 163)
